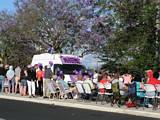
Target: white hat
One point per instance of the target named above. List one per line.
(29, 66)
(10, 67)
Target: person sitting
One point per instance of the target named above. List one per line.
(64, 84)
(79, 79)
(154, 80)
(95, 77)
(90, 82)
(104, 81)
(150, 73)
(64, 87)
(53, 87)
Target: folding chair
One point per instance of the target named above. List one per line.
(157, 86)
(101, 94)
(63, 92)
(108, 91)
(150, 93)
(53, 88)
(88, 91)
(139, 94)
(80, 90)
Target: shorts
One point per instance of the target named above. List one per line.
(11, 82)
(23, 82)
(1, 78)
(6, 83)
(17, 78)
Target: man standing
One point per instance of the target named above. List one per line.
(31, 81)
(2, 76)
(10, 77)
(46, 81)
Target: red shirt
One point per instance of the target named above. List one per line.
(103, 81)
(149, 74)
(40, 74)
(153, 81)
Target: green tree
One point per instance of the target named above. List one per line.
(135, 42)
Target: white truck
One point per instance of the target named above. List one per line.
(61, 62)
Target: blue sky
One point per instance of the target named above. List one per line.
(7, 5)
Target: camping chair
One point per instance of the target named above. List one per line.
(100, 94)
(150, 93)
(88, 91)
(108, 91)
(80, 90)
(53, 88)
(63, 92)
(157, 86)
(139, 93)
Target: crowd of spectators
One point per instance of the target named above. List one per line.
(34, 81)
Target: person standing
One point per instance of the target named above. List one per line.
(90, 82)
(10, 77)
(46, 81)
(17, 78)
(95, 77)
(23, 79)
(2, 76)
(31, 81)
(39, 76)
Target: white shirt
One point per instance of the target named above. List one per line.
(95, 78)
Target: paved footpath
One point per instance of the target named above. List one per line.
(147, 112)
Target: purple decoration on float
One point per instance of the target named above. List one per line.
(90, 73)
(51, 63)
(75, 72)
(84, 77)
(58, 78)
(40, 65)
(70, 60)
(58, 73)
(61, 72)
(80, 72)
(73, 78)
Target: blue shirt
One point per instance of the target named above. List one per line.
(65, 85)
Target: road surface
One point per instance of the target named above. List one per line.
(16, 110)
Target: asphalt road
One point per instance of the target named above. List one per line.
(16, 110)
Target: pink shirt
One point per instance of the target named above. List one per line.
(127, 78)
